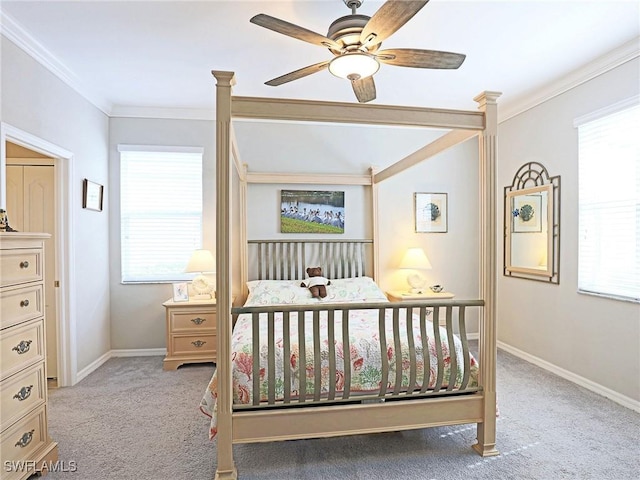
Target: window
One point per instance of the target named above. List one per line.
(160, 211)
(609, 202)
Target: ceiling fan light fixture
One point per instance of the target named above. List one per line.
(354, 66)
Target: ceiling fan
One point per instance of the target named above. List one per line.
(355, 42)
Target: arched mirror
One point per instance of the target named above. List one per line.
(532, 225)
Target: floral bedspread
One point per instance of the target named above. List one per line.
(365, 359)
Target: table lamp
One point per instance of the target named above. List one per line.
(415, 260)
(202, 262)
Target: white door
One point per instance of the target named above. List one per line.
(31, 208)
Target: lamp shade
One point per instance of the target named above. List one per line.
(201, 261)
(354, 66)
(416, 259)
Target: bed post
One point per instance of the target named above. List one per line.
(244, 261)
(226, 469)
(374, 223)
(486, 433)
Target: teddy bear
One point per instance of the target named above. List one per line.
(316, 283)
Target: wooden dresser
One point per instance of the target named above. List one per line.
(191, 332)
(25, 445)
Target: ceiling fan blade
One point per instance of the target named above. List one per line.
(295, 75)
(294, 31)
(412, 57)
(365, 89)
(388, 19)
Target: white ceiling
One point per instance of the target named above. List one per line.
(127, 56)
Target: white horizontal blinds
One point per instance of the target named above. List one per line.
(609, 204)
(161, 211)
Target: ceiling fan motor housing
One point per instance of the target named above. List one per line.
(346, 31)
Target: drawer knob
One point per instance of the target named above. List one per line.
(24, 393)
(25, 440)
(198, 343)
(24, 264)
(24, 303)
(198, 320)
(23, 347)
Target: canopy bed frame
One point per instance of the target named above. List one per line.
(401, 410)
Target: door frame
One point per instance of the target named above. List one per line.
(65, 199)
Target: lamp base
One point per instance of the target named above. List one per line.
(417, 282)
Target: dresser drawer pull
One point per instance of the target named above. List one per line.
(24, 264)
(198, 320)
(25, 440)
(198, 343)
(24, 393)
(24, 303)
(23, 347)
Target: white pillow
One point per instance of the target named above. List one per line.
(289, 292)
(278, 292)
(357, 289)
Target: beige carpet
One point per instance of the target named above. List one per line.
(130, 420)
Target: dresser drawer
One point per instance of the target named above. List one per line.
(21, 346)
(20, 266)
(21, 304)
(194, 345)
(22, 440)
(192, 321)
(20, 393)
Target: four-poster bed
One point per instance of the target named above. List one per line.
(427, 376)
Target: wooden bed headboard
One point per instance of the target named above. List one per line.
(288, 259)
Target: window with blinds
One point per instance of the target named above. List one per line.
(160, 211)
(609, 202)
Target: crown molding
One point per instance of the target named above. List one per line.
(626, 52)
(17, 34)
(124, 111)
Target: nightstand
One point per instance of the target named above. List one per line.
(400, 296)
(191, 332)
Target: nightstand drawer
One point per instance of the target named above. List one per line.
(22, 440)
(20, 266)
(21, 346)
(192, 321)
(21, 393)
(194, 345)
(20, 304)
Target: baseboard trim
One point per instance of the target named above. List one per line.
(139, 352)
(133, 352)
(92, 367)
(572, 377)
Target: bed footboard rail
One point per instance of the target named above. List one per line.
(417, 358)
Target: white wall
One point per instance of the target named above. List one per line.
(597, 339)
(39, 103)
(137, 314)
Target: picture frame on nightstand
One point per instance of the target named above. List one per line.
(181, 292)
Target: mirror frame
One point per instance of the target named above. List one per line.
(533, 177)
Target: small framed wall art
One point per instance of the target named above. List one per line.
(92, 195)
(430, 212)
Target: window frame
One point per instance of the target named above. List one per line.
(592, 290)
(127, 278)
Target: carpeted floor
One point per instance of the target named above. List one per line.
(130, 420)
